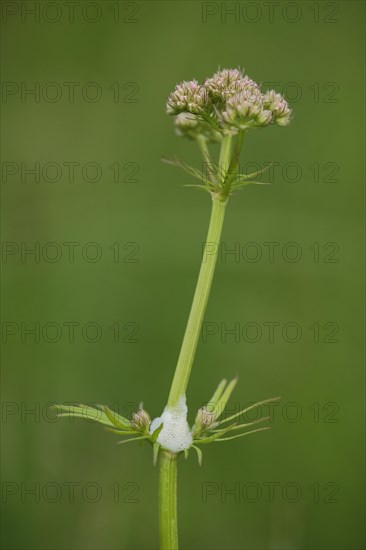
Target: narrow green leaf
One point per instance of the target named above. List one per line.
(185, 167)
(186, 453)
(131, 439)
(254, 174)
(210, 183)
(121, 432)
(154, 436)
(200, 187)
(116, 419)
(234, 416)
(85, 412)
(214, 436)
(239, 426)
(245, 433)
(212, 403)
(239, 186)
(225, 397)
(199, 454)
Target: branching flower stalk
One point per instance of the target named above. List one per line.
(221, 110)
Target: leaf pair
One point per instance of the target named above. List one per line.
(218, 180)
(209, 432)
(99, 413)
(221, 396)
(198, 451)
(209, 184)
(240, 180)
(102, 414)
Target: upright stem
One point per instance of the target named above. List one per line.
(191, 336)
(202, 144)
(225, 153)
(168, 520)
(168, 461)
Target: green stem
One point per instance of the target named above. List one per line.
(225, 155)
(168, 520)
(168, 461)
(202, 144)
(191, 336)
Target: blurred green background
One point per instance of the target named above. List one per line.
(135, 306)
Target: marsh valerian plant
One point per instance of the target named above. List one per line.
(219, 111)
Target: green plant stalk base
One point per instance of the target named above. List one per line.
(168, 520)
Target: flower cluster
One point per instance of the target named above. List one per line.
(278, 106)
(227, 103)
(187, 96)
(229, 82)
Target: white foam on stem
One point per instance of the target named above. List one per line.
(176, 434)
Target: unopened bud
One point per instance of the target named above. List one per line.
(141, 420)
(205, 420)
